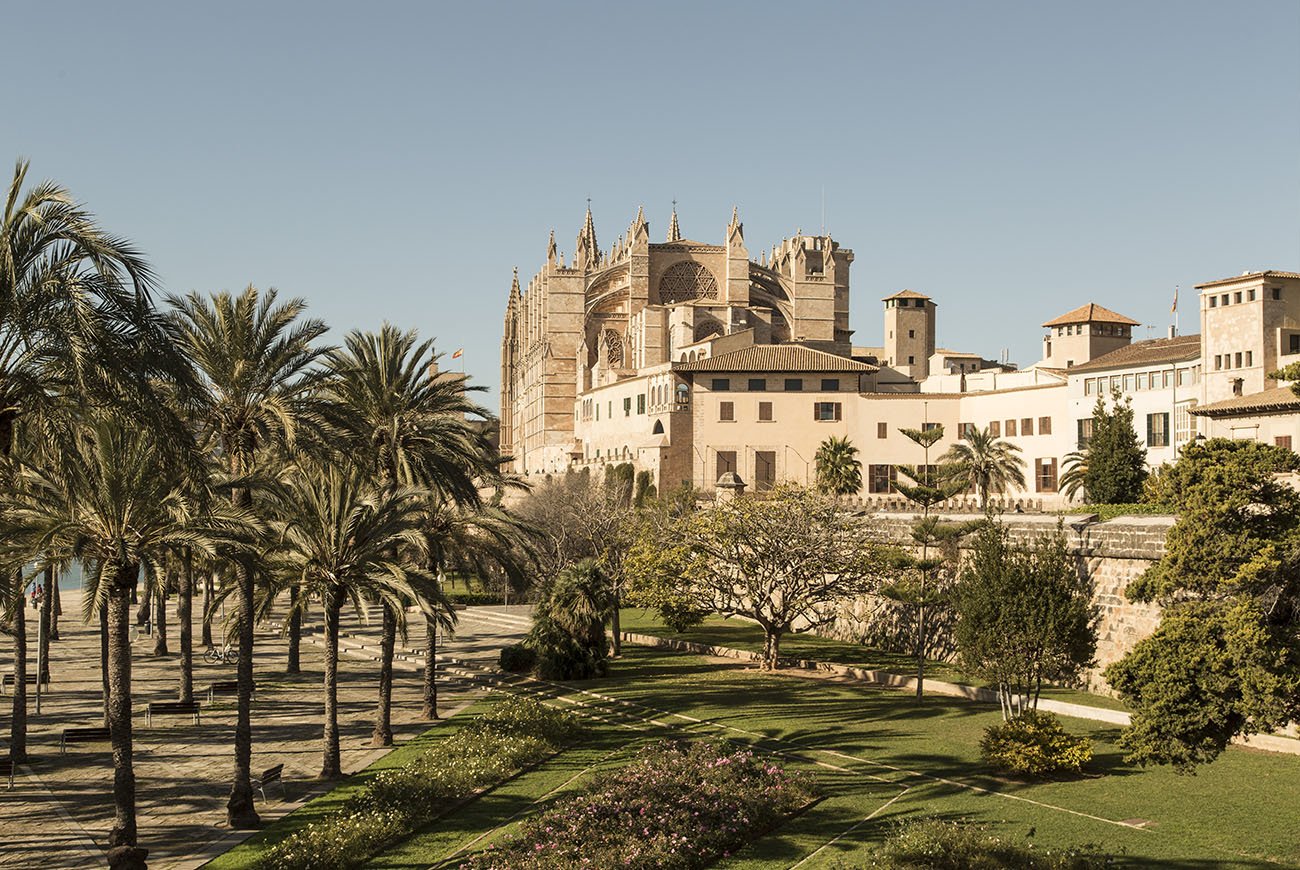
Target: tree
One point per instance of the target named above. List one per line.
(788, 562)
(839, 471)
(256, 359)
(411, 427)
(1115, 461)
(568, 633)
(1025, 616)
(111, 498)
(338, 537)
(984, 463)
(1224, 660)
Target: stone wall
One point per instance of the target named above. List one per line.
(1110, 554)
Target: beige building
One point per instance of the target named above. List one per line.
(693, 361)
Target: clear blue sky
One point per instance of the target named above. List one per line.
(395, 160)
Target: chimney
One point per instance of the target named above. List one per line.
(1172, 334)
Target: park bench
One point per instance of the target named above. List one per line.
(82, 735)
(171, 708)
(225, 687)
(8, 680)
(270, 776)
(7, 770)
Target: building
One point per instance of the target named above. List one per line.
(693, 361)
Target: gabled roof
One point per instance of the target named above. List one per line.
(1249, 276)
(1279, 400)
(775, 358)
(1156, 351)
(1091, 313)
(906, 294)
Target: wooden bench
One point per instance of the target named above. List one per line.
(8, 680)
(82, 735)
(225, 687)
(7, 770)
(270, 776)
(171, 708)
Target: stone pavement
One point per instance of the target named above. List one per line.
(60, 809)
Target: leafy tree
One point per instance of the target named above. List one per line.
(984, 463)
(788, 562)
(644, 489)
(1025, 616)
(256, 360)
(839, 471)
(1115, 460)
(656, 560)
(1224, 660)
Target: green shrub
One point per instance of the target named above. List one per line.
(934, 844)
(1035, 744)
(518, 659)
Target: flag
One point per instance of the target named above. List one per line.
(1174, 309)
(459, 353)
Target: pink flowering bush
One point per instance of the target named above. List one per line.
(512, 735)
(679, 805)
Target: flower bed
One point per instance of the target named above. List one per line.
(939, 844)
(514, 734)
(679, 805)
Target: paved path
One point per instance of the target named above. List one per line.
(60, 810)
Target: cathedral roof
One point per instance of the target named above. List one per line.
(1091, 313)
(775, 358)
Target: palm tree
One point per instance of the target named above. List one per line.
(110, 498)
(256, 359)
(337, 535)
(839, 472)
(411, 426)
(1075, 472)
(984, 463)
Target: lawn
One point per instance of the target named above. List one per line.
(876, 751)
(744, 635)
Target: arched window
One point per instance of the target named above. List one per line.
(658, 429)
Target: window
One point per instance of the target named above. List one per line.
(1236, 386)
(1044, 425)
(720, 384)
(726, 462)
(1250, 295)
(881, 478)
(1168, 379)
(1088, 384)
(1114, 383)
(1236, 297)
(1141, 381)
(965, 431)
(1128, 383)
(1045, 475)
(1214, 302)
(1238, 359)
(1085, 432)
(1158, 429)
(610, 410)
(1295, 344)
(1010, 428)
(882, 430)
(793, 385)
(1250, 357)
(1218, 361)
(757, 385)
(830, 385)
(911, 333)
(726, 411)
(640, 403)
(1283, 441)
(764, 469)
(627, 406)
(911, 360)
(1223, 300)
(765, 412)
(826, 411)
(995, 429)
(1277, 293)
(929, 427)
(597, 411)
(1027, 426)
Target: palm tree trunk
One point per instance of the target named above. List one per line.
(103, 656)
(430, 710)
(160, 616)
(240, 812)
(330, 766)
(123, 833)
(47, 622)
(185, 616)
(18, 721)
(294, 664)
(383, 733)
(207, 611)
(57, 610)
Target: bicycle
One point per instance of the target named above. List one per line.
(225, 655)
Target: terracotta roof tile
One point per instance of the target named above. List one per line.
(906, 294)
(1246, 276)
(1091, 313)
(1146, 353)
(775, 358)
(1274, 401)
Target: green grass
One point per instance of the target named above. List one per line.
(1236, 813)
(1110, 511)
(743, 635)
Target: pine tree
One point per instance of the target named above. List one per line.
(1116, 460)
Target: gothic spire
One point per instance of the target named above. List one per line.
(674, 231)
(588, 234)
(550, 248)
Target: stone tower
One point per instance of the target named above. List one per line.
(909, 333)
